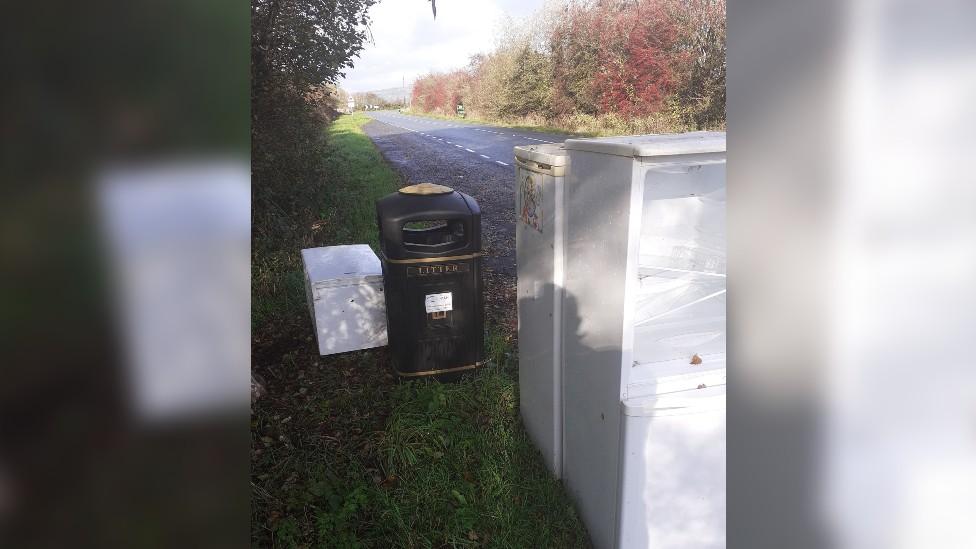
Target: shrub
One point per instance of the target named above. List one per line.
(617, 64)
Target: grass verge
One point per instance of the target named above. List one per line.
(582, 125)
(345, 455)
(542, 128)
(328, 202)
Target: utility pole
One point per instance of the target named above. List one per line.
(409, 99)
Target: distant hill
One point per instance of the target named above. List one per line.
(392, 94)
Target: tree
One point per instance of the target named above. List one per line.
(298, 48)
(615, 60)
(575, 45)
(636, 58)
(702, 37)
(489, 77)
(528, 87)
(305, 42)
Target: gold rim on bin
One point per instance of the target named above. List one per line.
(426, 188)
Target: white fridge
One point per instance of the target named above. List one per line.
(540, 175)
(641, 342)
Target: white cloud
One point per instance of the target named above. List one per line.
(408, 41)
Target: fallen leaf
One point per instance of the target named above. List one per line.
(472, 535)
(696, 359)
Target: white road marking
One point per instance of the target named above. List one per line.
(459, 146)
(500, 162)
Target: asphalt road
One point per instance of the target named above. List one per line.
(476, 160)
(483, 143)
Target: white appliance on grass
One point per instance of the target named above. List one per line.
(641, 357)
(540, 173)
(344, 288)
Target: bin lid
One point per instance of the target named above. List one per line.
(426, 188)
(552, 154)
(395, 210)
(652, 145)
(341, 265)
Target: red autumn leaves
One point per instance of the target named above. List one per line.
(596, 58)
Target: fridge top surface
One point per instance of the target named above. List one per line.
(341, 265)
(552, 154)
(652, 145)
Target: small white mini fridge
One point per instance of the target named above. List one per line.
(344, 289)
(641, 357)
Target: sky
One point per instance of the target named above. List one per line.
(408, 41)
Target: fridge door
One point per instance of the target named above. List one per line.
(672, 471)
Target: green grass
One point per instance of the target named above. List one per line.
(543, 128)
(583, 125)
(365, 177)
(335, 207)
(345, 455)
(466, 473)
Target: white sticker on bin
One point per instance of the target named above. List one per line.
(436, 303)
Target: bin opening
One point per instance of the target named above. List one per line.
(428, 224)
(433, 235)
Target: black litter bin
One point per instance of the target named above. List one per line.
(430, 239)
